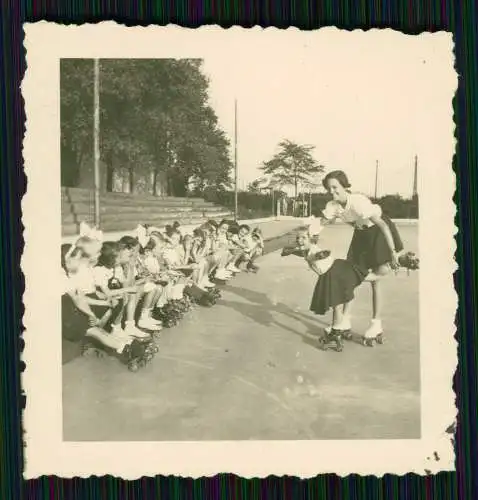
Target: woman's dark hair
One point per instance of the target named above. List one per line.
(339, 176)
(128, 242)
(213, 223)
(245, 226)
(109, 254)
(65, 248)
(176, 225)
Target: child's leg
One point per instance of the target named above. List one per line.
(337, 316)
(130, 326)
(145, 320)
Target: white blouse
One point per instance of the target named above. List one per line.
(357, 211)
(83, 280)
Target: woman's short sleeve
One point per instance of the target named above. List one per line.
(330, 211)
(364, 208)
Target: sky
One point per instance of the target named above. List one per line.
(357, 97)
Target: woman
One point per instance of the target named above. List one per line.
(376, 244)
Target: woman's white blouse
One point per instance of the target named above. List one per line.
(357, 211)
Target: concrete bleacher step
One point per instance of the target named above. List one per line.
(123, 212)
(71, 218)
(87, 196)
(83, 208)
(119, 225)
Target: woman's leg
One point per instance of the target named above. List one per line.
(376, 328)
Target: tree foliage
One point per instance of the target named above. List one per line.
(293, 164)
(154, 119)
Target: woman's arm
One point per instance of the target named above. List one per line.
(382, 225)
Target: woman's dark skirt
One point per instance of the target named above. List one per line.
(369, 248)
(74, 323)
(336, 286)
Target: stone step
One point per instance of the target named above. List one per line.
(139, 217)
(75, 194)
(121, 225)
(84, 208)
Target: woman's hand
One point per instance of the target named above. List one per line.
(394, 263)
(93, 321)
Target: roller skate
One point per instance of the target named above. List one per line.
(374, 334)
(345, 328)
(148, 323)
(168, 315)
(137, 355)
(132, 331)
(332, 340)
(252, 268)
(409, 261)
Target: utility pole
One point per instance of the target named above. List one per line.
(376, 179)
(96, 136)
(235, 161)
(415, 178)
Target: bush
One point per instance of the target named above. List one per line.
(258, 205)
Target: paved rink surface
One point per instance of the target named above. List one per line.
(249, 368)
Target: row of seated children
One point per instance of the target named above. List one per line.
(118, 291)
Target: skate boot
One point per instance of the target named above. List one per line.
(332, 340)
(132, 331)
(148, 323)
(374, 334)
(233, 269)
(345, 327)
(252, 268)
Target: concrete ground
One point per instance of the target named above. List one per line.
(249, 368)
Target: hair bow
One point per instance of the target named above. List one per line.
(142, 235)
(315, 226)
(90, 232)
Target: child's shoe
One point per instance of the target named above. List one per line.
(132, 331)
(233, 269)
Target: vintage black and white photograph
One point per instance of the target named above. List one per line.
(247, 243)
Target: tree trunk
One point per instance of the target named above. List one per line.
(131, 179)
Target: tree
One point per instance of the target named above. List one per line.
(293, 164)
(154, 119)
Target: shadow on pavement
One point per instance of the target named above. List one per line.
(260, 308)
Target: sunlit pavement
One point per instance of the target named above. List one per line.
(249, 368)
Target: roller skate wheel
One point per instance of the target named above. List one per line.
(339, 347)
(156, 349)
(368, 342)
(347, 335)
(133, 366)
(379, 339)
